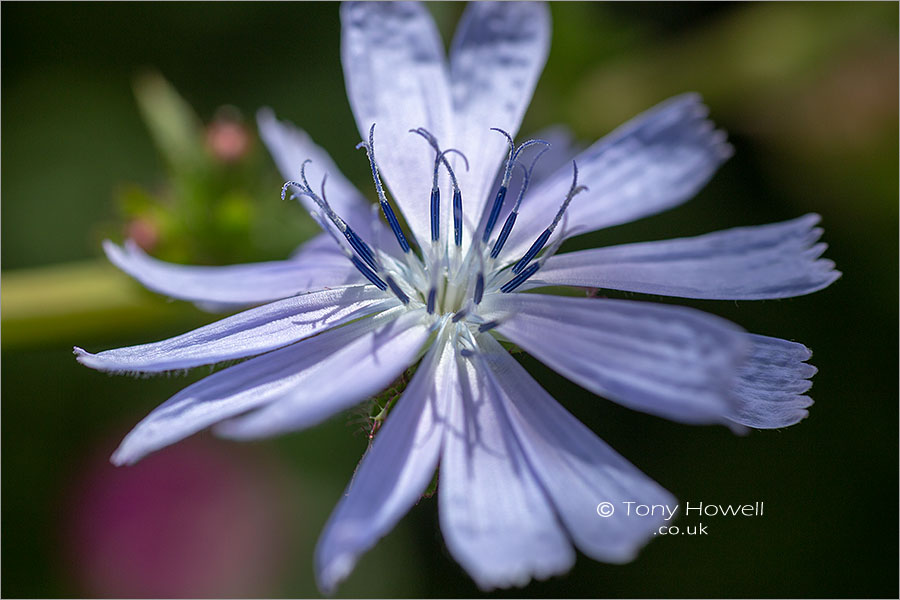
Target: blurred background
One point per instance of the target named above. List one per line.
(137, 120)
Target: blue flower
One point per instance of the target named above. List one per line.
(353, 309)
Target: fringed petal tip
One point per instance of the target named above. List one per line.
(92, 361)
(822, 270)
(716, 140)
(80, 354)
(521, 578)
(697, 126)
(771, 384)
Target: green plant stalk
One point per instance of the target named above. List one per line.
(77, 303)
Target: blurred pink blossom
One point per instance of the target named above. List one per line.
(196, 520)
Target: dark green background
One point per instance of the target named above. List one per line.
(808, 93)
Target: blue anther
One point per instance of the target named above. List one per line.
(532, 252)
(361, 248)
(511, 219)
(504, 234)
(368, 273)
(441, 157)
(379, 189)
(459, 316)
(520, 278)
(435, 214)
(397, 291)
(432, 298)
(504, 183)
(457, 217)
(465, 352)
(495, 214)
(479, 287)
(487, 326)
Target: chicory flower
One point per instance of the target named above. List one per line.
(520, 478)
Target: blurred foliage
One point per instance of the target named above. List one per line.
(210, 209)
(97, 143)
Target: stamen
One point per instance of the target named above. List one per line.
(435, 214)
(479, 287)
(488, 326)
(501, 193)
(460, 315)
(504, 184)
(367, 272)
(511, 219)
(457, 217)
(359, 264)
(432, 298)
(542, 239)
(440, 157)
(532, 251)
(385, 207)
(356, 242)
(522, 277)
(396, 289)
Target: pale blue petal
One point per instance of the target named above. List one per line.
(235, 286)
(312, 367)
(394, 68)
(290, 147)
(318, 247)
(319, 389)
(746, 263)
(394, 472)
(563, 148)
(656, 161)
(497, 56)
(251, 332)
(772, 383)
(576, 468)
(670, 361)
(495, 516)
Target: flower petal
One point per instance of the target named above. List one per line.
(772, 382)
(746, 263)
(290, 146)
(496, 519)
(497, 56)
(394, 473)
(670, 361)
(394, 69)
(656, 161)
(563, 147)
(576, 468)
(251, 332)
(361, 369)
(234, 286)
(315, 368)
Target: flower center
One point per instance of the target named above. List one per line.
(440, 277)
